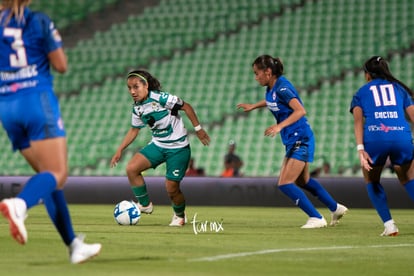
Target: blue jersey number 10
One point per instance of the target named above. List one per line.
(384, 97)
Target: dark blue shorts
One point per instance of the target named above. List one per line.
(303, 149)
(31, 116)
(400, 152)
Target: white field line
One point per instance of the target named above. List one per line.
(270, 251)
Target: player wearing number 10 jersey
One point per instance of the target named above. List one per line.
(379, 108)
(29, 112)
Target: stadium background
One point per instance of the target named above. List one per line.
(202, 51)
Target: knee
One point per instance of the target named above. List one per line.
(61, 178)
(132, 170)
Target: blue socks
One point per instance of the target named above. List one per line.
(39, 186)
(57, 209)
(300, 199)
(409, 187)
(316, 189)
(378, 199)
(42, 186)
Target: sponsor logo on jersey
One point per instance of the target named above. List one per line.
(384, 128)
(272, 106)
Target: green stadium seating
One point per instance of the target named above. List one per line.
(63, 13)
(203, 53)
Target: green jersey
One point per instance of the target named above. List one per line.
(156, 111)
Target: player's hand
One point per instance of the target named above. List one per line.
(365, 160)
(245, 107)
(203, 137)
(115, 159)
(272, 131)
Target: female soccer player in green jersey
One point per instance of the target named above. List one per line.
(159, 110)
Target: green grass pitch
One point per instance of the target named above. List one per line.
(224, 241)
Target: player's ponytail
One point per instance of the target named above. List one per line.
(266, 61)
(378, 68)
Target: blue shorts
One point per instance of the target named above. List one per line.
(31, 116)
(176, 159)
(302, 149)
(400, 152)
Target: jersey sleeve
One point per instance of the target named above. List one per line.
(407, 99)
(168, 101)
(52, 38)
(356, 101)
(286, 95)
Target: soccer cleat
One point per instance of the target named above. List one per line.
(390, 229)
(315, 223)
(178, 221)
(146, 209)
(14, 210)
(81, 252)
(338, 214)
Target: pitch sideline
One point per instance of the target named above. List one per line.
(270, 251)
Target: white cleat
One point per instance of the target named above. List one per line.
(15, 211)
(81, 252)
(340, 211)
(390, 229)
(315, 223)
(146, 209)
(178, 221)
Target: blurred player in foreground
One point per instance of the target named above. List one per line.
(283, 101)
(382, 131)
(160, 111)
(29, 112)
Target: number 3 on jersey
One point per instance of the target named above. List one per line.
(18, 59)
(386, 95)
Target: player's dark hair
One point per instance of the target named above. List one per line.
(378, 68)
(146, 77)
(266, 61)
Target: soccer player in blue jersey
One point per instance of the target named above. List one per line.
(284, 103)
(159, 111)
(381, 131)
(29, 112)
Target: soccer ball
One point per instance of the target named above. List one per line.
(127, 213)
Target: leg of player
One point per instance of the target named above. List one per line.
(378, 197)
(316, 189)
(134, 169)
(291, 170)
(178, 202)
(337, 210)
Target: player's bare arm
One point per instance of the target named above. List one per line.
(192, 116)
(249, 107)
(128, 139)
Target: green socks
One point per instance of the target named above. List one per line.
(141, 194)
(179, 210)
